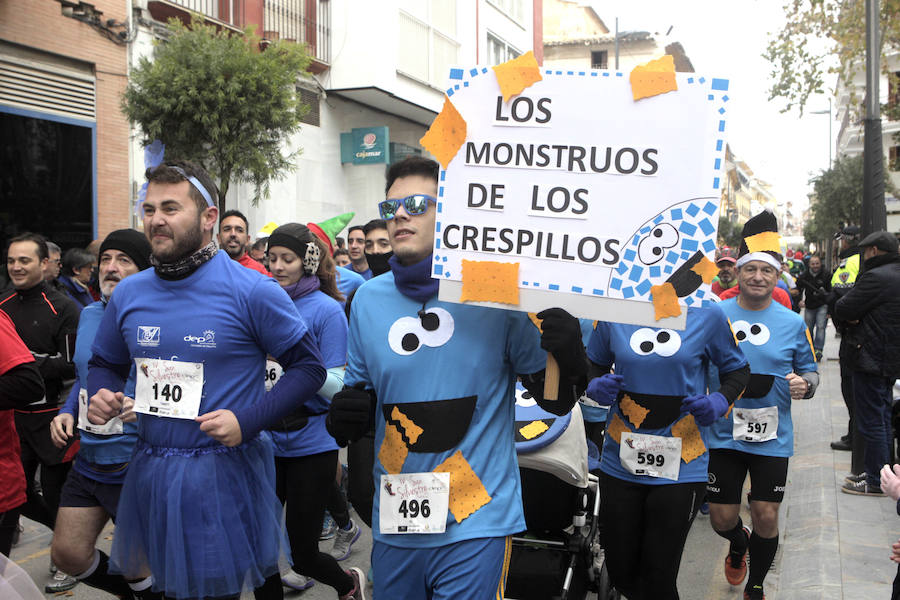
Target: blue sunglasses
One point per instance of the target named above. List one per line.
(414, 205)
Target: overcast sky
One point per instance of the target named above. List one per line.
(727, 39)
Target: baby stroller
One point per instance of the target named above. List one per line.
(559, 556)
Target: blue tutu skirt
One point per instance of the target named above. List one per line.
(204, 521)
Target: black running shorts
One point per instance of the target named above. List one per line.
(729, 468)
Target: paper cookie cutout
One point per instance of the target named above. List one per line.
(446, 135)
(515, 75)
(653, 78)
(490, 281)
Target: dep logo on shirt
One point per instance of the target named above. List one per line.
(147, 336)
(205, 340)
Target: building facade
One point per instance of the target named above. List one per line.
(378, 80)
(64, 164)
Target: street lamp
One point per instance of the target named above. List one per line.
(826, 112)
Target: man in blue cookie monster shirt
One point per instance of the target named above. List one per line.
(440, 378)
(757, 436)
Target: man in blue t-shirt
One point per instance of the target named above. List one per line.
(91, 493)
(757, 436)
(198, 508)
(440, 378)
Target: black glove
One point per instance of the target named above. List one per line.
(350, 415)
(561, 336)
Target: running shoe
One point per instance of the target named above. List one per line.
(855, 478)
(296, 581)
(359, 585)
(754, 593)
(344, 540)
(862, 488)
(60, 582)
(736, 566)
(328, 528)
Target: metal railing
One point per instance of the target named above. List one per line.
(302, 21)
(211, 8)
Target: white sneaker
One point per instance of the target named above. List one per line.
(294, 580)
(343, 540)
(60, 582)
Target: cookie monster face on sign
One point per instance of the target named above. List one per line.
(535, 427)
(664, 249)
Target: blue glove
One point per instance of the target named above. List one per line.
(603, 390)
(706, 408)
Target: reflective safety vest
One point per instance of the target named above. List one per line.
(845, 275)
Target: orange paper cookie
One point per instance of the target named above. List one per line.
(665, 301)
(467, 493)
(616, 428)
(515, 75)
(410, 429)
(393, 450)
(490, 281)
(446, 134)
(634, 411)
(706, 269)
(692, 445)
(765, 241)
(533, 429)
(653, 78)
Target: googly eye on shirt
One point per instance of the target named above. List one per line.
(664, 342)
(755, 333)
(652, 247)
(433, 328)
(524, 398)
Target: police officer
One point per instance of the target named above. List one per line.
(841, 281)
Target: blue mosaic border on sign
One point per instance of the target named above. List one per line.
(696, 232)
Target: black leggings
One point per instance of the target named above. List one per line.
(304, 483)
(42, 507)
(643, 529)
(9, 520)
(361, 487)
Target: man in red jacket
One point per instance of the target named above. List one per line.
(20, 385)
(234, 238)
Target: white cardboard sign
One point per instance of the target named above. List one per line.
(597, 196)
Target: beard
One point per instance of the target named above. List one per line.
(107, 286)
(233, 253)
(182, 246)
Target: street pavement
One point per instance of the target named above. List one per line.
(833, 545)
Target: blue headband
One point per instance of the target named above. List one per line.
(197, 185)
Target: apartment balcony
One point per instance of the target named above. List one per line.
(301, 21)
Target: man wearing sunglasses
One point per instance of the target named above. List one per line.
(438, 380)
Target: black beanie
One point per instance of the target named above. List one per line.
(131, 242)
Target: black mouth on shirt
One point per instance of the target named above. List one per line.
(444, 423)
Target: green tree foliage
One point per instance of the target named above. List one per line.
(214, 98)
(838, 199)
(822, 39)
